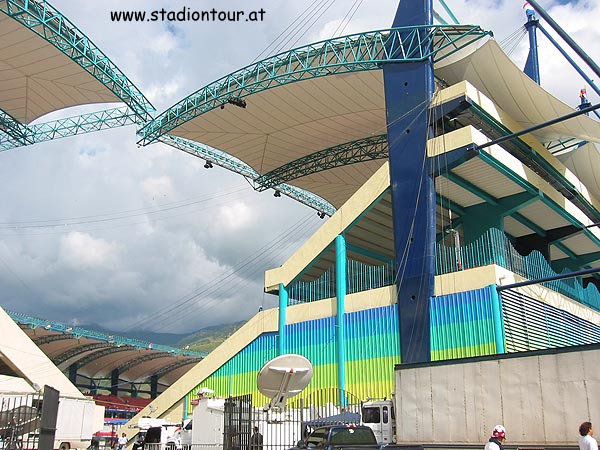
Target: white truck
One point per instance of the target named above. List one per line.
(208, 418)
(540, 397)
(206, 429)
(77, 419)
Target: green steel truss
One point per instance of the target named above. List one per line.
(77, 332)
(132, 362)
(45, 21)
(174, 366)
(229, 162)
(368, 149)
(358, 52)
(13, 130)
(70, 126)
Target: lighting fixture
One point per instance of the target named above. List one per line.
(237, 101)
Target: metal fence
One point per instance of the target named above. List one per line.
(20, 416)
(280, 428)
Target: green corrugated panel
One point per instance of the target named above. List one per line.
(464, 334)
(372, 347)
(453, 353)
(372, 377)
(371, 370)
(462, 325)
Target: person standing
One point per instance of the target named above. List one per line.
(496, 439)
(587, 441)
(256, 440)
(122, 442)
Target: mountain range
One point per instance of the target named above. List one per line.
(203, 340)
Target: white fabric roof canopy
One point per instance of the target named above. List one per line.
(36, 78)
(492, 72)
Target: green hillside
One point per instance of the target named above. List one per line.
(209, 338)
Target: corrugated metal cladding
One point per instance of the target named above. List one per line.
(462, 324)
(531, 325)
(372, 349)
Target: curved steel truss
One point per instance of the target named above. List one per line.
(358, 52)
(140, 360)
(49, 24)
(368, 149)
(70, 126)
(77, 332)
(229, 162)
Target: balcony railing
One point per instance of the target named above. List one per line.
(493, 247)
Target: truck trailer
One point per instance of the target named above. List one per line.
(541, 398)
(77, 419)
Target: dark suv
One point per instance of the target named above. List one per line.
(333, 436)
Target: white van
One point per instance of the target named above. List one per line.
(164, 437)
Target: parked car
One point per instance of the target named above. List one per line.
(332, 437)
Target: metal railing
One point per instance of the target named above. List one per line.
(493, 247)
(20, 421)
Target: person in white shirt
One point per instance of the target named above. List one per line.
(587, 441)
(497, 438)
(122, 443)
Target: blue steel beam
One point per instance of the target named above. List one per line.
(566, 37)
(358, 52)
(409, 88)
(45, 21)
(368, 149)
(71, 126)
(532, 65)
(570, 60)
(229, 162)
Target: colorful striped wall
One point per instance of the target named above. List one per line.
(372, 349)
(462, 325)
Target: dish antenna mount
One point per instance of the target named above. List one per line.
(283, 377)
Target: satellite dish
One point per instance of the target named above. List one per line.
(283, 377)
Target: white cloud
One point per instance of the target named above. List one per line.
(235, 217)
(157, 188)
(163, 44)
(163, 93)
(82, 251)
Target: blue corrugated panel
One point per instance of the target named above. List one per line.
(462, 324)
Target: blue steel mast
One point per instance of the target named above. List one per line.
(532, 65)
(409, 88)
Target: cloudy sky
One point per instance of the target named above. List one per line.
(96, 230)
